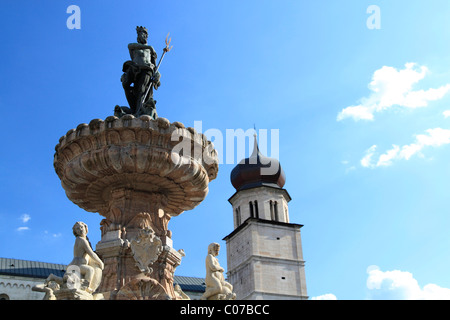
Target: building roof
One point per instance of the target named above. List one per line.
(190, 283)
(30, 269)
(36, 269)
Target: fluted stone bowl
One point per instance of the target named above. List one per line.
(140, 154)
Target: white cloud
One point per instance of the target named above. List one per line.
(25, 218)
(327, 296)
(401, 285)
(386, 159)
(433, 138)
(446, 113)
(366, 161)
(54, 235)
(356, 112)
(391, 87)
(349, 168)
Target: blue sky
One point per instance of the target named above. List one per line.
(361, 113)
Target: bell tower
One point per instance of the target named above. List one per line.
(264, 252)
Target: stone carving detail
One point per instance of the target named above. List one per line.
(98, 158)
(146, 249)
(142, 288)
(83, 274)
(216, 286)
(48, 288)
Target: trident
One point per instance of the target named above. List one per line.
(165, 50)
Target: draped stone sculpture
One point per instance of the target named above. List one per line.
(216, 286)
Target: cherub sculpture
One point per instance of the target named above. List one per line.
(83, 274)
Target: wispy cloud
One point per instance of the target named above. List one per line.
(401, 285)
(25, 218)
(349, 167)
(433, 138)
(391, 87)
(54, 235)
(327, 296)
(366, 161)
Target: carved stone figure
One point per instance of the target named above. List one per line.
(140, 77)
(48, 288)
(216, 286)
(83, 274)
(180, 295)
(85, 258)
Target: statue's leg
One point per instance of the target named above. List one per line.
(209, 292)
(140, 87)
(129, 91)
(52, 277)
(228, 285)
(87, 273)
(213, 287)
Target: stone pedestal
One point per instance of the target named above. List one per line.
(137, 173)
(76, 294)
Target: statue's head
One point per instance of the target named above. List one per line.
(79, 228)
(214, 248)
(142, 34)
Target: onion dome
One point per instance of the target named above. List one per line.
(257, 170)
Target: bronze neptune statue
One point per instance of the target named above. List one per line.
(140, 76)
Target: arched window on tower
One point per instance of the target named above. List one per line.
(253, 205)
(238, 216)
(274, 210)
(272, 216)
